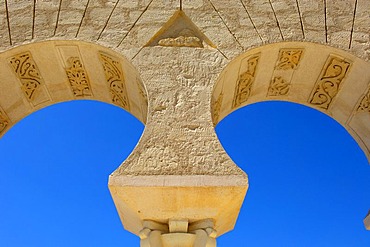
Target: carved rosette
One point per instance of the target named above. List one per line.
(278, 86)
(4, 122)
(26, 70)
(216, 107)
(289, 59)
(114, 76)
(328, 85)
(245, 81)
(78, 78)
(364, 105)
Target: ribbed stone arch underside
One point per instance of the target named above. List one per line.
(41, 74)
(324, 78)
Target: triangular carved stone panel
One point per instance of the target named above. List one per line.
(180, 31)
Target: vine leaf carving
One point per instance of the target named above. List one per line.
(78, 78)
(26, 70)
(328, 85)
(114, 76)
(245, 82)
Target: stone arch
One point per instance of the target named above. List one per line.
(324, 78)
(40, 74)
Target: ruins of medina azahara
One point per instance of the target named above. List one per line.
(180, 67)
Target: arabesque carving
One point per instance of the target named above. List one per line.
(26, 70)
(278, 87)
(115, 78)
(216, 107)
(289, 58)
(78, 78)
(328, 85)
(364, 105)
(4, 122)
(245, 81)
(142, 91)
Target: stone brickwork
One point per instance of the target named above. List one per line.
(180, 67)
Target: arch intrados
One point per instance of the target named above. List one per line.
(324, 78)
(38, 75)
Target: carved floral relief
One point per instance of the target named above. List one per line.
(115, 78)
(287, 63)
(364, 105)
(78, 78)
(328, 85)
(245, 82)
(27, 72)
(4, 122)
(216, 107)
(289, 58)
(278, 86)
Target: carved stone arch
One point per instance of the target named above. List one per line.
(37, 75)
(324, 78)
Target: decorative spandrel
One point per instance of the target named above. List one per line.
(329, 82)
(27, 72)
(245, 81)
(116, 81)
(78, 78)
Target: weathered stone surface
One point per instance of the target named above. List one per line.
(233, 26)
(181, 87)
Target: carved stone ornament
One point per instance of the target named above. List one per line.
(26, 70)
(328, 85)
(216, 107)
(245, 82)
(278, 87)
(181, 41)
(4, 122)
(114, 76)
(78, 78)
(364, 105)
(289, 59)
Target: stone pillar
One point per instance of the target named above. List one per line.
(179, 169)
(178, 233)
(367, 221)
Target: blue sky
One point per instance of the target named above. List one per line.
(309, 181)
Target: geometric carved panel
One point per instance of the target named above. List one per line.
(329, 82)
(116, 81)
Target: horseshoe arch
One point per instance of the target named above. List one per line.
(37, 75)
(324, 78)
